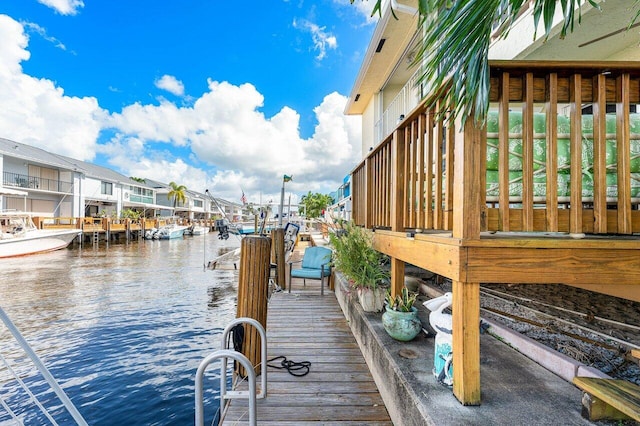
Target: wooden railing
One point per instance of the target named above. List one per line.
(89, 224)
(55, 222)
(560, 152)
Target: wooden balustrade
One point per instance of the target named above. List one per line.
(54, 222)
(562, 155)
(499, 202)
(91, 224)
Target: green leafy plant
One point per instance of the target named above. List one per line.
(403, 302)
(315, 204)
(130, 214)
(356, 258)
(178, 194)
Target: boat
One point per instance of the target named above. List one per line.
(20, 237)
(196, 230)
(170, 232)
(244, 228)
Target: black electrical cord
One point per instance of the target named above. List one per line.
(298, 369)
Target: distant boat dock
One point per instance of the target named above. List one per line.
(106, 229)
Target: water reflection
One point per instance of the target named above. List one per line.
(122, 326)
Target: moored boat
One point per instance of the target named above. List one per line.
(196, 230)
(20, 237)
(171, 231)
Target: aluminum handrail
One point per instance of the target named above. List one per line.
(42, 369)
(224, 354)
(263, 349)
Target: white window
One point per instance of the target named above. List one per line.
(106, 188)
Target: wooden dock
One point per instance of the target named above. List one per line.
(339, 389)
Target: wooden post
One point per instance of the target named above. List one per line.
(466, 342)
(575, 137)
(397, 204)
(277, 242)
(397, 276)
(466, 295)
(253, 285)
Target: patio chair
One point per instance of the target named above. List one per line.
(316, 265)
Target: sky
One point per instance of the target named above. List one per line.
(225, 96)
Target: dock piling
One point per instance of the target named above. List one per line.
(253, 285)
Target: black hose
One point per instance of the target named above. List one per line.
(298, 369)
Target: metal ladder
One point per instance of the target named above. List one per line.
(62, 396)
(224, 354)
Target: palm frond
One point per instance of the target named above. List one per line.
(455, 45)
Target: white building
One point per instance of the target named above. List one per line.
(51, 185)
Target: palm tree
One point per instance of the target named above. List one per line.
(455, 44)
(315, 203)
(177, 193)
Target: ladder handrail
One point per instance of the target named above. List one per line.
(224, 354)
(263, 350)
(43, 369)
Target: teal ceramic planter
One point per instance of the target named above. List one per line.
(403, 326)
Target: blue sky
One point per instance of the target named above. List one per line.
(213, 95)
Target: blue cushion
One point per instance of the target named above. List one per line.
(309, 273)
(315, 257)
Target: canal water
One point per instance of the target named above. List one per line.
(122, 327)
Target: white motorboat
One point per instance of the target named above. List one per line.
(20, 237)
(198, 230)
(171, 231)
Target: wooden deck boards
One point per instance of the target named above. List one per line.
(339, 389)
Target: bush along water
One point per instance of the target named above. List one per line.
(363, 266)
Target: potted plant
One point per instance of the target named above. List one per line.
(363, 266)
(400, 318)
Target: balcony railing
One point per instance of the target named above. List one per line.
(406, 100)
(560, 152)
(25, 181)
(135, 198)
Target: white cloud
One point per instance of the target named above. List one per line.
(362, 7)
(33, 27)
(229, 143)
(321, 39)
(170, 84)
(64, 7)
(225, 129)
(36, 111)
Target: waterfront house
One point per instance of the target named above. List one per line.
(341, 207)
(221, 208)
(101, 190)
(552, 198)
(198, 205)
(47, 184)
(140, 197)
(54, 186)
(194, 206)
(104, 192)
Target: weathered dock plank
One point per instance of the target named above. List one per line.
(339, 389)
